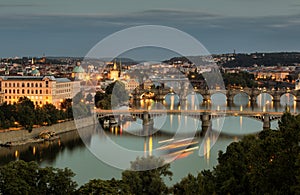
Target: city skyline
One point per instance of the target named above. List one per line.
(56, 28)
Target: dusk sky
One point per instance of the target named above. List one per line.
(73, 27)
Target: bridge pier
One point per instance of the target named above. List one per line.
(206, 123)
(276, 97)
(147, 133)
(266, 121)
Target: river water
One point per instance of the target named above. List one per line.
(81, 153)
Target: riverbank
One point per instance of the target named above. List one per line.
(20, 137)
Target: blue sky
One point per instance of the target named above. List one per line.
(73, 27)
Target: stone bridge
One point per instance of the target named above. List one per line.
(159, 94)
(204, 115)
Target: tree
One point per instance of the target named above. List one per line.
(117, 92)
(21, 177)
(98, 186)
(52, 114)
(89, 98)
(66, 106)
(146, 176)
(26, 113)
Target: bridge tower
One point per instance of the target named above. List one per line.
(230, 97)
(266, 121)
(206, 96)
(276, 96)
(206, 122)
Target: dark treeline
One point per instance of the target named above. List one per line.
(265, 59)
(24, 113)
(266, 163)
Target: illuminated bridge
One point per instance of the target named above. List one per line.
(204, 115)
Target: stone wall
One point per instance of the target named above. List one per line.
(22, 135)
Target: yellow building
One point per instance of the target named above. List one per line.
(39, 89)
(114, 73)
(131, 84)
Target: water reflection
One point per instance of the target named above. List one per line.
(41, 152)
(70, 150)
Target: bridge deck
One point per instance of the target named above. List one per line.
(190, 112)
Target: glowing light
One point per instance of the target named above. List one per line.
(17, 154)
(207, 148)
(33, 150)
(150, 145)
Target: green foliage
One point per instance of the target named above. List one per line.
(242, 79)
(21, 177)
(27, 114)
(89, 98)
(115, 94)
(149, 181)
(98, 186)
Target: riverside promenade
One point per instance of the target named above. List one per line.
(23, 136)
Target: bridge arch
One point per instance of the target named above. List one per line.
(241, 98)
(287, 98)
(218, 98)
(264, 98)
(172, 98)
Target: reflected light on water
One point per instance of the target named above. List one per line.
(33, 150)
(150, 145)
(241, 123)
(207, 149)
(17, 155)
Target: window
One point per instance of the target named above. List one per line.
(14, 85)
(41, 92)
(18, 91)
(5, 84)
(23, 91)
(9, 84)
(28, 91)
(28, 85)
(36, 84)
(5, 90)
(36, 91)
(9, 91)
(41, 85)
(17, 84)
(47, 82)
(23, 84)
(32, 84)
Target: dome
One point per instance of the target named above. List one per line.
(78, 69)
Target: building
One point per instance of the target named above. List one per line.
(131, 84)
(39, 89)
(114, 73)
(78, 72)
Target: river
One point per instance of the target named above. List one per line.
(81, 153)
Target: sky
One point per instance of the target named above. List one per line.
(73, 27)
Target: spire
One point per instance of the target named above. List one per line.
(115, 65)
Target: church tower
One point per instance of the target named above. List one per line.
(114, 73)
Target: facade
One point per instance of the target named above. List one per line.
(274, 75)
(114, 73)
(39, 89)
(131, 84)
